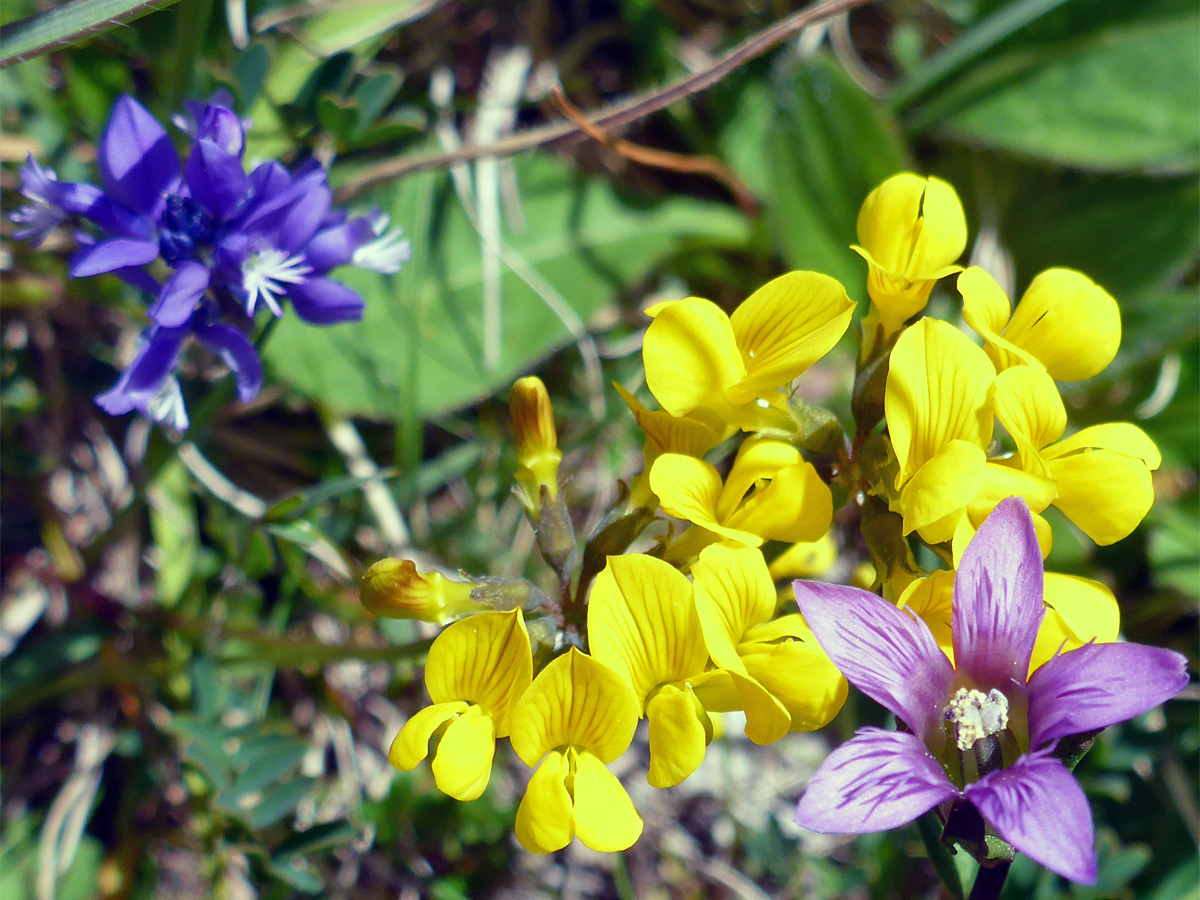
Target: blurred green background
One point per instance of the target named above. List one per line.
(194, 704)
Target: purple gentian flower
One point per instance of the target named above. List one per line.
(980, 715)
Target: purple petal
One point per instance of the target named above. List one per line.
(106, 256)
(216, 179)
(887, 654)
(1098, 685)
(137, 161)
(273, 202)
(238, 353)
(221, 125)
(875, 781)
(1038, 807)
(998, 599)
(335, 246)
(138, 278)
(145, 375)
(180, 294)
(87, 201)
(324, 302)
(303, 220)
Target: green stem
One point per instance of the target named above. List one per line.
(931, 836)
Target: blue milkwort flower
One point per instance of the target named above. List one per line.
(981, 731)
(228, 242)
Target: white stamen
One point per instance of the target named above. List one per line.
(387, 253)
(977, 715)
(167, 406)
(262, 274)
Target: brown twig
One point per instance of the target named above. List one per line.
(660, 159)
(610, 117)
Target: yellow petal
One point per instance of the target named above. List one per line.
(462, 764)
(805, 559)
(1088, 607)
(666, 433)
(483, 659)
(795, 506)
(757, 459)
(801, 676)
(784, 327)
(912, 225)
(690, 356)
(575, 700)
(544, 820)
(1028, 405)
(938, 494)
(1119, 437)
(411, 745)
(1077, 611)
(1069, 323)
(678, 735)
(932, 599)
(734, 592)
(986, 307)
(605, 819)
(767, 719)
(910, 230)
(642, 623)
(938, 389)
(688, 488)
(1106, 494)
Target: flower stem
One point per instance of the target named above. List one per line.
(990, 881)
(931, 835)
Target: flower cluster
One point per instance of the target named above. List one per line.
(209, 242)
(989, 662)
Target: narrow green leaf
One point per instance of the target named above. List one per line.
(68, 24)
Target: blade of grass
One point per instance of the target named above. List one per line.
(68, 24)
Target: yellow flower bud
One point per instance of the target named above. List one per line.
(394, 589)
(538, 455)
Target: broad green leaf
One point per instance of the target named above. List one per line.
(812, 145)
(318, 838)
(68, 23)
(587, 242)
(1121, 99)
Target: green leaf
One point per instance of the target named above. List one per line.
(587, 242)
(812, 145)
(340, 29)
(69, 23)
(317, 839)
(279, 802)
(1121, 99)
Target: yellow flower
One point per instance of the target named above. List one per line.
(575, 717)
(1077, 611)
(666, 433)
(771, 493)
(700, 361)
(910, 232)
(1101, 474)
(1064, 322)
(394, 589)
(476, 671)
(642, 624)
(939, 417)
(805, 559)
(538, 455)
(783, 678)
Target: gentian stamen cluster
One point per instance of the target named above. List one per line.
(211, 242)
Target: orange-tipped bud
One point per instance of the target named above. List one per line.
(538, 455)
(394, 589)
